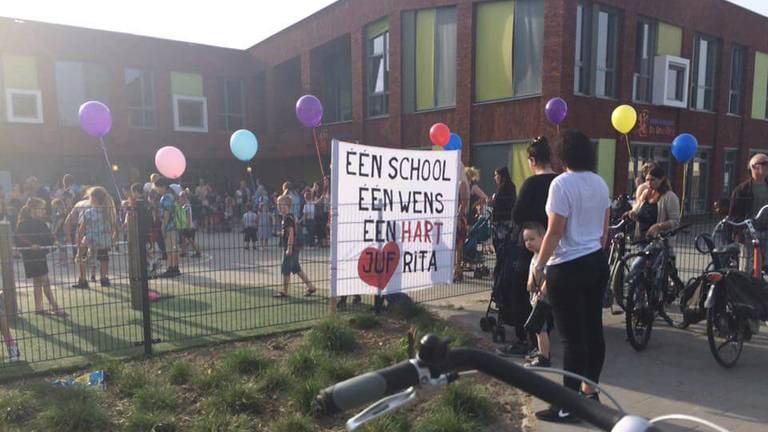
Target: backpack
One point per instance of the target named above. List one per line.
(180, 216)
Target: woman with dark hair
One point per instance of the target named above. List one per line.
(657, 208)
(510, 285)
(529, 208)
(574, 264)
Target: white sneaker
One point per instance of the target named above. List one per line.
(14, 353)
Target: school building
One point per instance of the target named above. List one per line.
(387, 70)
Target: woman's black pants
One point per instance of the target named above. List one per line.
(576, 294)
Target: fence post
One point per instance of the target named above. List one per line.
(6, 270)
(137, 268)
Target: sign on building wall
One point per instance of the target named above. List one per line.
(394, 218)
(651, 126)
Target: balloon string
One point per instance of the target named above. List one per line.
(558, 129)
(109, 168)
(317, 147)
(685, 177)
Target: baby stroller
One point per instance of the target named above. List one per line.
(472, 259)
(509, 303)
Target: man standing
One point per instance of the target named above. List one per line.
(747, 199)
(168, 227)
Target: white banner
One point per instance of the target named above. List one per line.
(394, 218)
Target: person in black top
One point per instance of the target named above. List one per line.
(291, 248)
(535, 189)
(34, 237)
(529, 207)
(477, 197)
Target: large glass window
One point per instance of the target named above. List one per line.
(697, 184)
(705, 57)
(337, 84)
(77, 83)
(377, 48)
(596, 64)
(140, 95)
(508, 49)
(736, 92)
(231, 104)
(429, 59)
(644, 57)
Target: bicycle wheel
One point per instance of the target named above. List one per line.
(724, 335)
(670, 308)
(639, 314)
(616, 282)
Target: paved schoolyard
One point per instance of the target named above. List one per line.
(675, 374)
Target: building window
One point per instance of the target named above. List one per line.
(508, 49)
(24, 106)
(190, 113)
(140, 94)
(597, 33)
(676, 82)
(697, 184)
(231, 104)
(429, 59)
(737, 80)
(377, 49)
(337, 82)
(644, 60)
(729, 171)
(77, 83)
(705, 53)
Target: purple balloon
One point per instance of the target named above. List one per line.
(556, 110)
(95, 118)
(309, 111)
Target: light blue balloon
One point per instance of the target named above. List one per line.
(244, 145)
(684, 147)
(454, 143)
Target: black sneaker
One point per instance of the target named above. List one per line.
(556, 415)
(539, 361)
(82, 284)
(518, 349)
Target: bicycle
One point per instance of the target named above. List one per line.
(736, 301)
(437, 365)
(618, 268)
(653, 289)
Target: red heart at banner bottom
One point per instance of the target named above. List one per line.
(376, 266)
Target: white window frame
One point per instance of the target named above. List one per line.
(10, 115)
(662, 83)
(176, 126)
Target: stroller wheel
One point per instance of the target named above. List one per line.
(485, 325)
(491, 321)
(500, 335)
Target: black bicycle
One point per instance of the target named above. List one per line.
(437, 365)
(652, 289)
(617, 249)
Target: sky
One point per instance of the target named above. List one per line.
(227, 23)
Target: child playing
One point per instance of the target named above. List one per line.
(291, 250)
(250, 229)
(34, 236)
(186, 225)
(97, 230)
(265, 222)
(533, 234)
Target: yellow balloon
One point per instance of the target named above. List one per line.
(624, 118)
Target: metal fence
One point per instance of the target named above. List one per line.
(225, 290)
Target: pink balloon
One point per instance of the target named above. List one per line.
(171, 162)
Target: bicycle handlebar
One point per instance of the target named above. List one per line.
(372, 386)
(661, 236)
(618, 225)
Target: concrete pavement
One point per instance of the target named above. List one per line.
(675, 374)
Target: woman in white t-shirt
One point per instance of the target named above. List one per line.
(575, 265)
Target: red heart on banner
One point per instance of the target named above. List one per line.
(376, 266)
